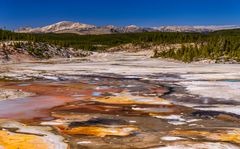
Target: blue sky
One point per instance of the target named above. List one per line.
(34, 13)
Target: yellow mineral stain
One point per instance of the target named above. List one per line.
(71, 116)
(101, 131)
(189, 132)
(221, 135)
(132, 100)
(10, 140)
(160, 114)
(233, 135)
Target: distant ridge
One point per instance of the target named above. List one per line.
(57, 27)
(209, 28)
(85, 29)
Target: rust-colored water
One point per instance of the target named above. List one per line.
(111, 113)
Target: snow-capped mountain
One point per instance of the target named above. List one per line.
(83, 29)
(194, 28)
(80, 28)
(58, 27)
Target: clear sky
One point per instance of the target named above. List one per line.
(34, 13)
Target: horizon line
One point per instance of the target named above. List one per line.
(142, 26)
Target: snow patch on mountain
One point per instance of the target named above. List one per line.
(83, 29)
(60, 26)
(194, 28)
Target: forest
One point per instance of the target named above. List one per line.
(217, 45)
(220, 49)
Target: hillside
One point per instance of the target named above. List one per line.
(24, 51)
(221, 45)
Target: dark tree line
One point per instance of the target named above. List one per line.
(219, 49)
(216, 45)
(92, 42)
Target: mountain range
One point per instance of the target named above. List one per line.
(88, 29)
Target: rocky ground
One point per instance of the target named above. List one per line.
(120, 100)
(6, 94)
(23, 51)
